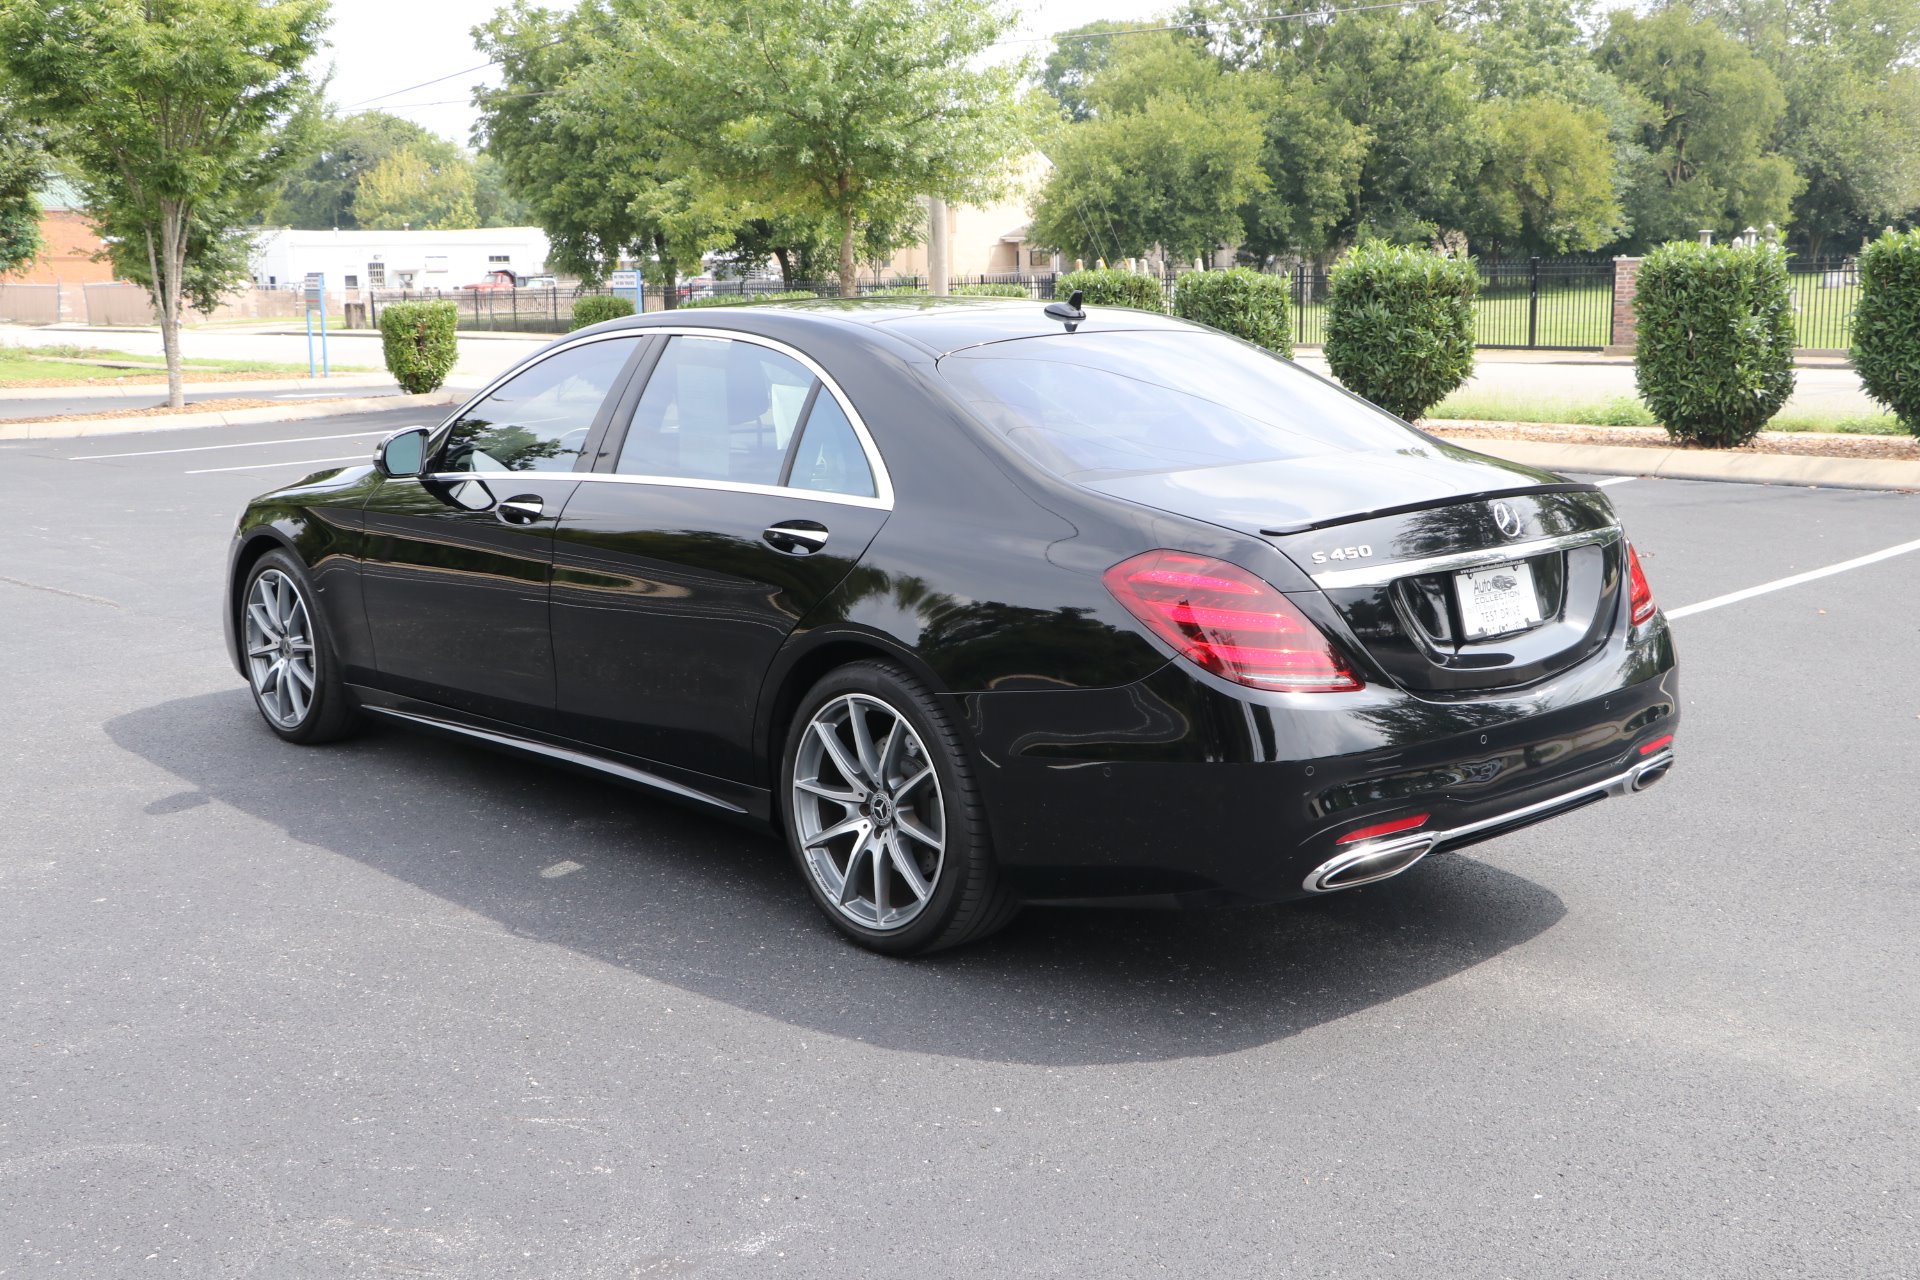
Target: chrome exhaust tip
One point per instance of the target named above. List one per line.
(1366, 863)
(1651, 772)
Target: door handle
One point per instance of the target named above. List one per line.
(796, 537)
(524, 509)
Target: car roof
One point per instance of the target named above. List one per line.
(937, 325)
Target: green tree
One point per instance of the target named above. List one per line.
(1312, 157)
(493, 199)
(23, 167)
(422, 186)
(1852, 122)
(594, 177)
(849, 109)
(1078, 57)
(319, 193)
(1548, 182)
(176, 117)
(1715, 110)
(1408, 82)
(1168, 156)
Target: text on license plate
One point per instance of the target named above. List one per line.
(1497, 600)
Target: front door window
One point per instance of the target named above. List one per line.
(538, 420)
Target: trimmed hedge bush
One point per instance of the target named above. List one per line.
(1400, 324)
(1245, 303)
(596, 308)
(748, 300)
(1113, 287)
(418, 341)
(1715, 356)
(990, 291)
(1886, 328)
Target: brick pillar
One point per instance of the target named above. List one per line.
(1626, 284)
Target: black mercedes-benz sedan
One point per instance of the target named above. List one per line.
(977, 603)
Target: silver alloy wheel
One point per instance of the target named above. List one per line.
(867, 808)
(279, 646)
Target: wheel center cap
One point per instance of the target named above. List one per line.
(880, 809)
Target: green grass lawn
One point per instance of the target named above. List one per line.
(29, 364)
(1626, 412)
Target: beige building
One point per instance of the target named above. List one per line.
(989, 239)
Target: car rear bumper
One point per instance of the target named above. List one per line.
(1226, 815)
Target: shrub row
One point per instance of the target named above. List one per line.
(1248, 304)
(1714, 360)
(750, 299)
(417, 339)
(1112, 287)
(1886, 328)
(597, 308)
(1400, 324)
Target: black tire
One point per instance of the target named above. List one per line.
(328, 713)
(968, 900)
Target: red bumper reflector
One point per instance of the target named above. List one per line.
(1648, 748)
(1383, 829)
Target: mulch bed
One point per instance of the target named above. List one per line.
(1819, 444)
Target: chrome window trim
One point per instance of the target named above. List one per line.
(1374, 575)
(882, 479)
(730, 486)
(518, 369)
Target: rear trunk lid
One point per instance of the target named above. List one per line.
(1454, 571)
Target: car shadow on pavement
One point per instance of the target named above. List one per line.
(682, 898)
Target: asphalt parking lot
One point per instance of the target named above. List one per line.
(403, 1007)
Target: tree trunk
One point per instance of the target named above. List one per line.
(782, 255)
(165, 269)
(669, 275)
(849, 273)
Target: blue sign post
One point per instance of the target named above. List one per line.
(316, 299)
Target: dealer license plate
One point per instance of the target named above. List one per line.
(1496, 601)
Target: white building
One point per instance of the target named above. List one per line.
(395, 259)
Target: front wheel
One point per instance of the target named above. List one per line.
(883, 816)
(289, 664)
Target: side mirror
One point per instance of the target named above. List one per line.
(402, 454)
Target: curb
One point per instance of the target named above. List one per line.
(72, 427)
(106, 390)
(1693, 464)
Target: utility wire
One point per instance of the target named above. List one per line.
(1059, 38)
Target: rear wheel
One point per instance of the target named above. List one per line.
(290, 666)
(883, 816)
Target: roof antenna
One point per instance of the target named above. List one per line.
(1069, 310)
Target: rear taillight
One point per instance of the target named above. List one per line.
(1232, 623)
(1640, 595)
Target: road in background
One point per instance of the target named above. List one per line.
(402, 1006)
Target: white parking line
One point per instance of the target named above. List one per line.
(1615, 480)
(255, 466)
(1780, 584)
(202, 448)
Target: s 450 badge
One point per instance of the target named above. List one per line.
(1360, 552)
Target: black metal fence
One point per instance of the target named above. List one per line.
(1825, 293)
(1541, 303)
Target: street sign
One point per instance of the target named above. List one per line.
(315, 294)
(622, 280)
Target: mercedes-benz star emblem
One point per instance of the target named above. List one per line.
(1507, 518)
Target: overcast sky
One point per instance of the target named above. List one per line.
(381, 46)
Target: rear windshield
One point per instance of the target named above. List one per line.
(1092, 406)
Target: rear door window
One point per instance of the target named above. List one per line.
(1098, 405)
(717, 409)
